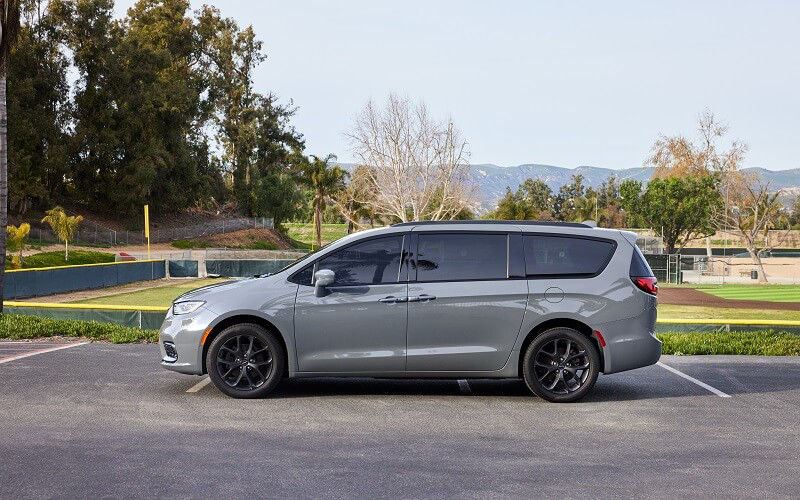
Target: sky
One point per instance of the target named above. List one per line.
(560, 83)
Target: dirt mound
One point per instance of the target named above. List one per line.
(246, 238)
(692, 297)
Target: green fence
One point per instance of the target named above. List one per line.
(51, 280)
(183, 268)
(245, 267)
(666, 268)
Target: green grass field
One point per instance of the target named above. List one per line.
(158, 296)
(302, 234)
(764, 343)
(770, 293)
(671, 311)
(54, 259)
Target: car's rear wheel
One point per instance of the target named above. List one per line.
(561, 365)
(245, 361)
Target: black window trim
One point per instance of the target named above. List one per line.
(415, 242)
(571, 275)
(313, 264)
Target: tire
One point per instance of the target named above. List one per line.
(561, 365)
(246, 361)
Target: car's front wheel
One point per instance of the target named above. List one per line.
(245, 361)
(561, 365)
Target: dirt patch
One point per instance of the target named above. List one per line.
(245, 238)
(692, 297)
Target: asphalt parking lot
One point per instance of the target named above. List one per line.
(105, 420)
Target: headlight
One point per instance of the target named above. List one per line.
(186, 307)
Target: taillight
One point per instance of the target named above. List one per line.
(646, 284)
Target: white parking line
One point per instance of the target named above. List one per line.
(41, 351)
(694, 380)
(196, 387)
(464, 386)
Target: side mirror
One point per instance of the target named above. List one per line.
(323, 278)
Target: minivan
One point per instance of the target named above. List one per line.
(554, 304)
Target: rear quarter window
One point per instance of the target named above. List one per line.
(569, 256)
(639, 267)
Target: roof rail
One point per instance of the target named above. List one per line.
(513, 222)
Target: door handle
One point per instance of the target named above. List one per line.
(391, 299)
(421, 298)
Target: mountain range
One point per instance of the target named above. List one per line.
(492, 180)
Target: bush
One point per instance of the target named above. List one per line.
(762, 343)
(18, 326)
(188, 244)
(56, 259)
(262, 245)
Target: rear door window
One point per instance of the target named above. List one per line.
(462, 257)
(547, 255)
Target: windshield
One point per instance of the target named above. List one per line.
(302, 257)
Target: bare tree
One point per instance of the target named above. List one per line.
(417, 166)
(752, 213)
(355, 201)
(677, 156)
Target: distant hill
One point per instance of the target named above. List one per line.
(492, 180)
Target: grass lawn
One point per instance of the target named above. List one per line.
(671, 311)
(20, 327)
(764, 343)
(302, 234)
(54, 259)
(770, 293)
(158, 296)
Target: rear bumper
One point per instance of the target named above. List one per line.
(631, 342)
(633, 352)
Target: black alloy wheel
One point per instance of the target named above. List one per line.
(245, 361)
(561, 365)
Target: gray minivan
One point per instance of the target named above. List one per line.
(552, 303)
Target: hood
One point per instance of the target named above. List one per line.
(199, 293)
(219, 292)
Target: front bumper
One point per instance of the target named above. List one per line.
(184, 332)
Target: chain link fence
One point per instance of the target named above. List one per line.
(94, 234)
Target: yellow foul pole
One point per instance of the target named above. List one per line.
(147, 227)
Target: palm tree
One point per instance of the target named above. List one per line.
(9, 26)
(16, 241)
(63, 225)
(325, 180)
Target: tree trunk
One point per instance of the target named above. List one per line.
(762, 276)
(3, 180)
(350, 226)
(66, 250)
(318, 225)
